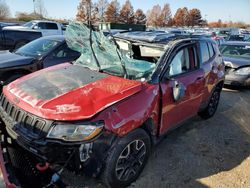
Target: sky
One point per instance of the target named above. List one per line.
(212, 10)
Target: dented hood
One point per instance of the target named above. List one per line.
(69, 92)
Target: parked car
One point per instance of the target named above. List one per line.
(4, 24)
(13, 37)
(245, 37)
(101, 114)
(38, 54)
(237, 61)
(44, 26)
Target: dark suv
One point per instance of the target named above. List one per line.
(101, 115)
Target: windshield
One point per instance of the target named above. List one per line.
(28, 24)
(110, 59)
(37, 48)
(241, 51)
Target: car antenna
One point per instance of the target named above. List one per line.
(90, 37)
(118, 53)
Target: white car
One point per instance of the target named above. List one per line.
(45, 27)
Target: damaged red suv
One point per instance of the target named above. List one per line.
(100, 115)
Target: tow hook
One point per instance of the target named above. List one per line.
(42, 166)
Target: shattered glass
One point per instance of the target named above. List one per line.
(110, 59)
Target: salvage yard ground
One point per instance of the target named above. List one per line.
(212, 153)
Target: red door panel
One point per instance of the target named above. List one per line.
(174, 112)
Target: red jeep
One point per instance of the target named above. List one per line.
(101, 115)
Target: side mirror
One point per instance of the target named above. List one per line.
(178, 91)
(36, 27)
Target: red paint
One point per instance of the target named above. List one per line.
(131, 113)
(42, 166)
(81, 103)
(123, 104)
(173, 112)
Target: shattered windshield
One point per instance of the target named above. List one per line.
(107, 55)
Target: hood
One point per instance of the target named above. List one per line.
(69, 92)
(8, 59)
(236, 62)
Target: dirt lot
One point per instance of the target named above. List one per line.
(213, 153)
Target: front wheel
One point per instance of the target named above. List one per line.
(212, 105)
(127, 159)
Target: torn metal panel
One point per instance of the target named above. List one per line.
(110, 59)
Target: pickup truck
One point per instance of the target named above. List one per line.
(102, 114)
(13, 37)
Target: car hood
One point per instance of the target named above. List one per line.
(8, 59)
(69, 92)
(236, 62)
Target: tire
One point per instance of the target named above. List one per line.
(212, 105)
(127, 159)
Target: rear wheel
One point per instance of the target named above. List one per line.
(127, 159)
(212, 105)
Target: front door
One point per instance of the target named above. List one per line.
(182, 88)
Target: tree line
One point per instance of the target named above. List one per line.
(111, 11)
(105, 11)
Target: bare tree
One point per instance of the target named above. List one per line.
(195, 17)
(165, 17)
(85, 9)
(40, 8)
(4, 10)
(140, 17)
(112, 12)
(127, 13)
(153, 16)
(102, 6)
(181, 17)
(186, 17)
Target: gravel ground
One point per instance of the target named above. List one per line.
(212, 153)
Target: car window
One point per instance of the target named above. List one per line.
(239, 51)
(211, 50)
(41, 25)
(51, 26)
(64, 52)
(183, 61)
(204, 52)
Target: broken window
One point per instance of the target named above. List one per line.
(107, 54)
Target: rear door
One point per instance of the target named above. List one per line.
(182, 87)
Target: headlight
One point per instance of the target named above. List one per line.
(243, 71)
(75, 132)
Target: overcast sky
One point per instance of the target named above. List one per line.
(212, 10)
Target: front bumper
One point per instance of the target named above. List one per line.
(29, 137)
(20, 168)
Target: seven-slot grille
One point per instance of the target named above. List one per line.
(28, 123)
